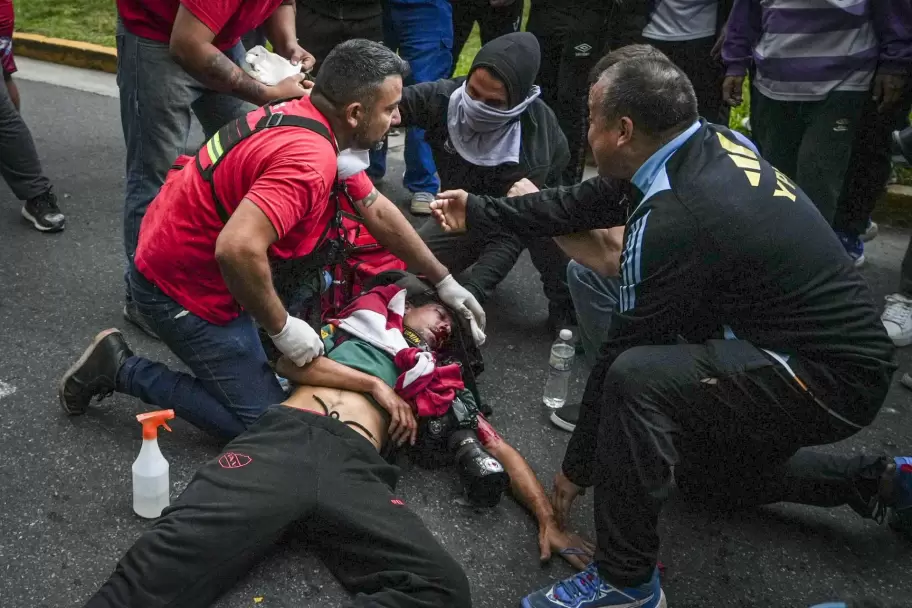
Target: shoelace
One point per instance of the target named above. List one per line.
(583, 584)
(897, 311)
(47, 203)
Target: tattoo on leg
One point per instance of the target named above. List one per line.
(369, 200)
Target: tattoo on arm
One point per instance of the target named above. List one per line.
(370, 199)
(221, 73)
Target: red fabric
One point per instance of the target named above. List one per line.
(433, 393)
(287, 172)
(7, 18)
(365, 260)
(228, 19)
(378, 301)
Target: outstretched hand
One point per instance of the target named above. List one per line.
(575, 549)
(449, 209)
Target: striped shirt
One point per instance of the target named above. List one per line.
(804, 49)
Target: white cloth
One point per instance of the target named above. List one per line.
(483, 135)
(269, 68)
(352, 161)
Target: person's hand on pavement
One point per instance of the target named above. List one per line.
(403, 425)
(291, 87)
(463, 302)
(523, 186)
(565, 492)
(298, 341)
(888, 89)
(731, 90)
(449, 210)
(576, 550)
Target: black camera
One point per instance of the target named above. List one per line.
(452, 438)
(483, 477)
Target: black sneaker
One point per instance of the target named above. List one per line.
(131, 313)
(565, 417)
(43, 213)
(95, 373)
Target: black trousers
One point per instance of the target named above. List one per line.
(19, 163)
(695, 59)
(810, 141)
(291, 471)
(319, 33)
(492, 22)
(570, 47)
(727, 425)
(493, 253)
(869, 167)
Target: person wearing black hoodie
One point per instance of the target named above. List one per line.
(487, 131)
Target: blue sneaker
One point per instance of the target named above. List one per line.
(901, 511)
(854, 246)
(586, 589)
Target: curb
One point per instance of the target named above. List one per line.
(66, 52)
(895, 208)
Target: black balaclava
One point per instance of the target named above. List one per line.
(514, 59)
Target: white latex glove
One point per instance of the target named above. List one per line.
(462, 301)
(298, 341)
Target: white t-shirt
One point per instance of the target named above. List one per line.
(675, 20)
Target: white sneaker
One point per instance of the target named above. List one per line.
(421, 203)
(897, 319)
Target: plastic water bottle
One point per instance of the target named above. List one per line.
(560, 363)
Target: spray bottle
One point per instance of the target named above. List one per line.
(151, 482)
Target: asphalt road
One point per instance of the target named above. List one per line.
(65, 504)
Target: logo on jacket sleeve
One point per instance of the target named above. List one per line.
(234, 460)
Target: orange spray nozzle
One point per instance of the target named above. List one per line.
(150, 422)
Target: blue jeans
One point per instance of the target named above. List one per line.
(232, 383)
(422, 32)
(595, 299)
(156, 96)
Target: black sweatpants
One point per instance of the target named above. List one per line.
(492, 255)
(299, 471)
(492, 22)
(570, 47)
(695, 59)
(722, 421)
(810, 141)
(869, 167)
(319, 33)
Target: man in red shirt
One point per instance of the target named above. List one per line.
(174, 56)
(202, 272)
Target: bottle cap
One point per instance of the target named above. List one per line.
(566, 335)
(150, 422)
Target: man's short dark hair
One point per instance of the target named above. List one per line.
(631, 51)
(654, 93)
(354, 70)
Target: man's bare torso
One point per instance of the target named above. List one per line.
(348, 406)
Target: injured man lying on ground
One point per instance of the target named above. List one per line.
(314, 465)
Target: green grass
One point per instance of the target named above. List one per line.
(83, 20)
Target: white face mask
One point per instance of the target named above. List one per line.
(352, 161)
